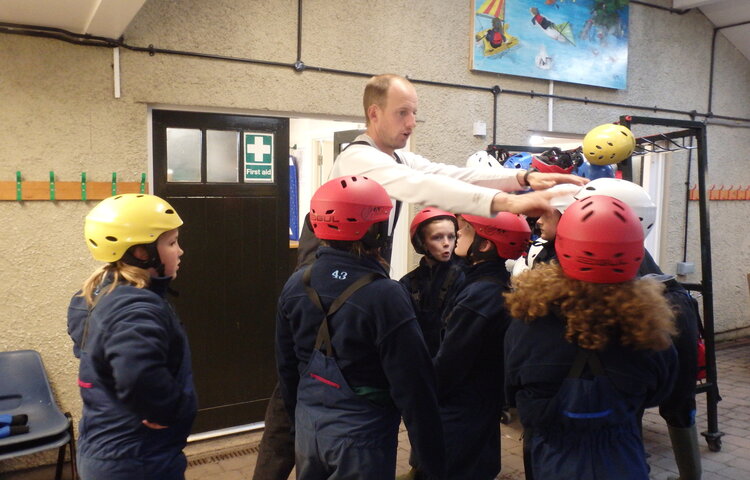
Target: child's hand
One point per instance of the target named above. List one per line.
(153, 425)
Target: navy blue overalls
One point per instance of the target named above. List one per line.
(338, 431)
(538, 359)
(469, 368)
(433, 289)
(113, 443)
(590, 430)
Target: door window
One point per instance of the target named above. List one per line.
(184, 155)
(221, 156)
(184, 147)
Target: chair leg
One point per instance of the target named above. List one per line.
(60, 462)
(72, 445)
(73, 457)
(61, 453)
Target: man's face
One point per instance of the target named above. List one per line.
(392, 125)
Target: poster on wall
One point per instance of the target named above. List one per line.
(576, 41)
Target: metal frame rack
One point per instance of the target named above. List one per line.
(680, 137)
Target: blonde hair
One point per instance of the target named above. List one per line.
(633, 313)
(122, 273)
(376, 91)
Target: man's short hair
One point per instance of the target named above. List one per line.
(376, 91)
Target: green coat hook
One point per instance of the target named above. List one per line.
(114, 183)
(83, 186)
(52, 185)
(143, 183)
(19, 197)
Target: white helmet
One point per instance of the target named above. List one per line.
(482, 159)
(632, 194)
(564, 195)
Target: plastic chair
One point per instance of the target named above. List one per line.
(25, 389)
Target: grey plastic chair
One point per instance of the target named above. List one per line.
(25, 389)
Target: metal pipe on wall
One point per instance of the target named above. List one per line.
(97, 41)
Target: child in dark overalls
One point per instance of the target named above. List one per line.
(469, 363)
(350, 354)
(678, 409)
(135, 372)
(589, 347)
(434, 282)
(439, 274)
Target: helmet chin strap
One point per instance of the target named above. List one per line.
(376, 236)
(153, 260)
(420, 247)
(474, 254)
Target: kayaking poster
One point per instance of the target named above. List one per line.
(576, 41)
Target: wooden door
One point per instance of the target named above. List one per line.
(228, 178)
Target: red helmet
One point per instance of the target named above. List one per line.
(345, 207)
(507, 231)
(553, 161)
(599, 240)
(427, 215)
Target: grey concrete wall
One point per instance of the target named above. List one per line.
(59, 113)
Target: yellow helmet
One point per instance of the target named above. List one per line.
(117, 223)
(608, 144)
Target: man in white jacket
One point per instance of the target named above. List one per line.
(390, 104)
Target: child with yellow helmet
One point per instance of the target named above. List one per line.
(135, 370)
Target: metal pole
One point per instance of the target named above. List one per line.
(712, 435)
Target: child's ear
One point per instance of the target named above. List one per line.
(485, 246)
(140, 253)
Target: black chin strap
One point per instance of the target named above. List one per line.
(473, 253)
(153, 260)
(378, 237)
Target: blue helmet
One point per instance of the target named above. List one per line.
(592, 172)
(520, 160)
(601, 171)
